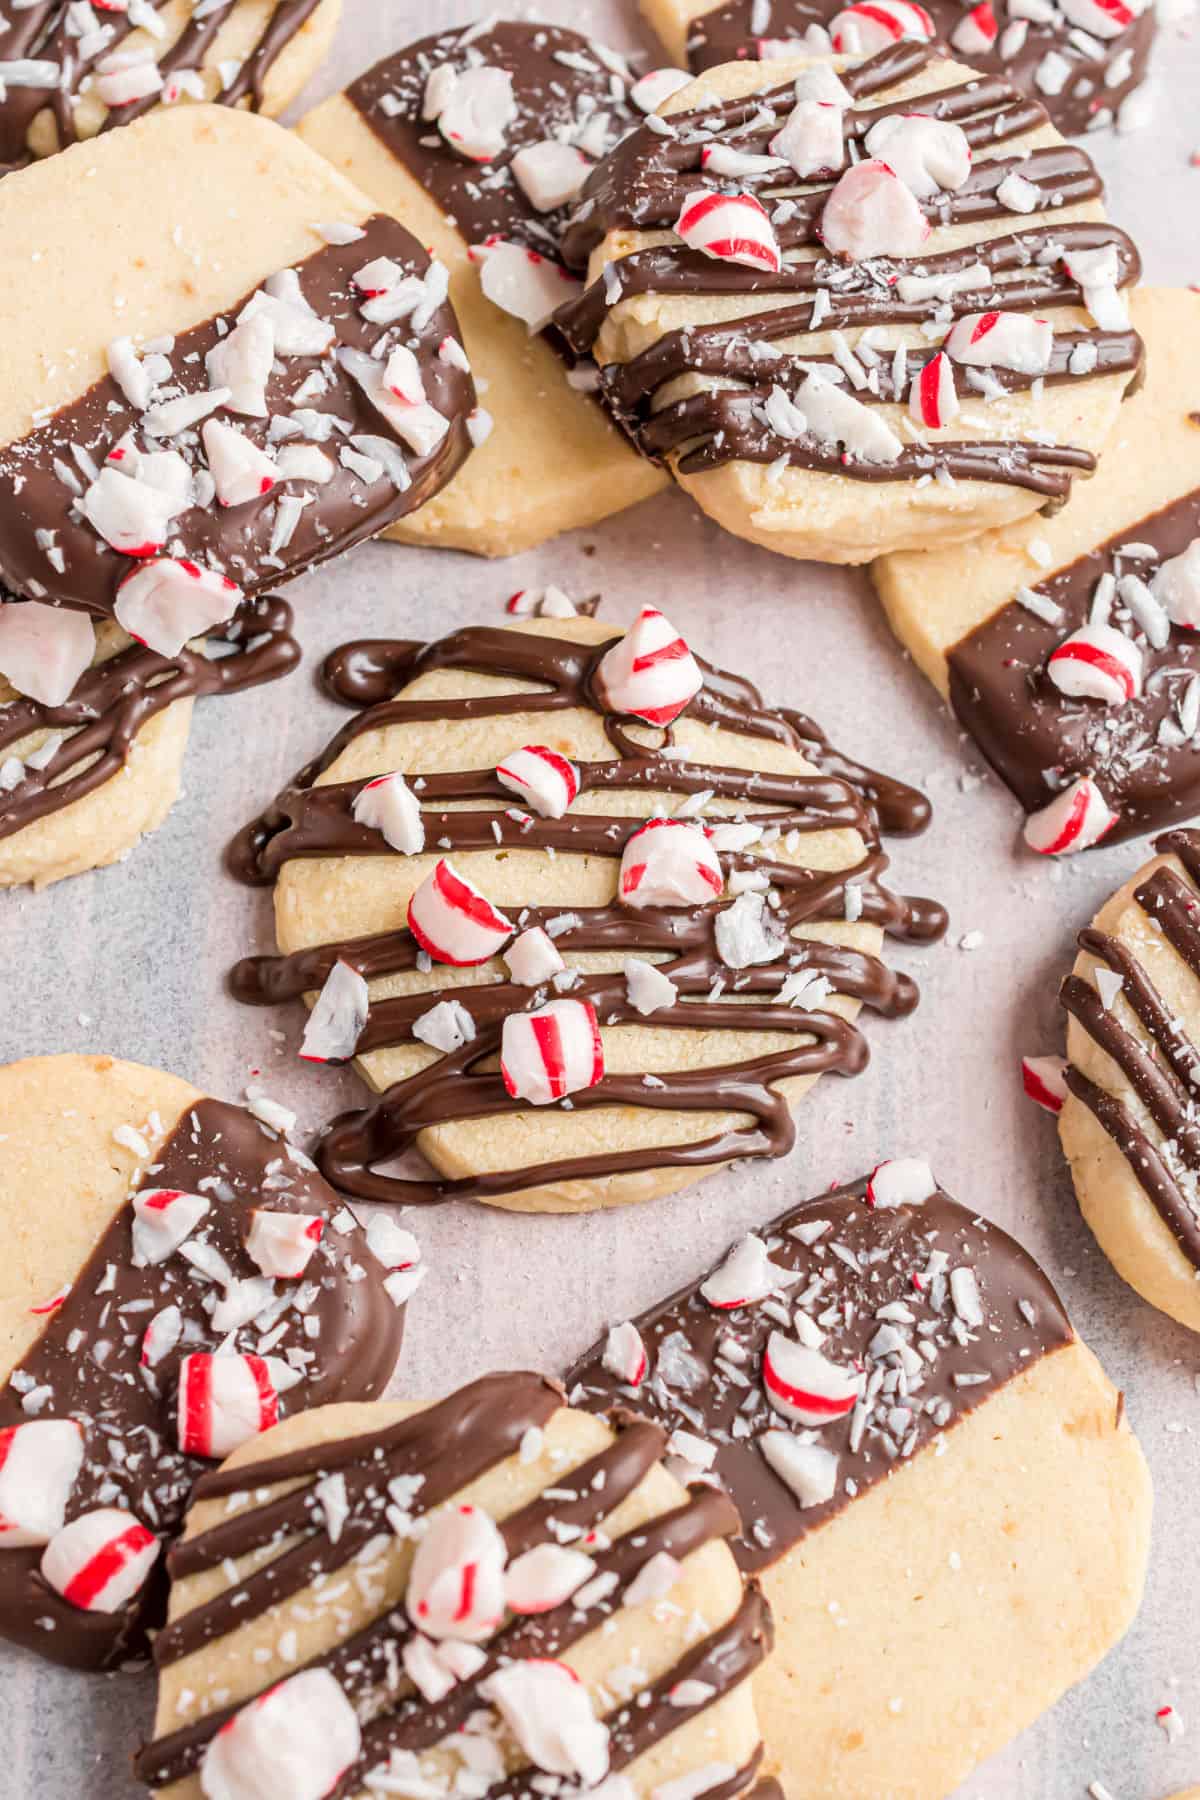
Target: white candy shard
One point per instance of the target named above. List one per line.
(1098, 273)
(549, 1712)
(129, 373)
(550, 174)
(903, 1181)
(336, 1022)
(1097, 662)
(625, 1354)
(225, 1400)
(804, 1385)
(669, 862)
(871, 212)
(241, 471)
(545, 1577)
(475, 113)
(456, 1584)
(242, 363)
(649, 673)
(298, 329)
(809, 1470)
(812, 139)
(161, 1336)
(100, 1560)
(836, 417)
(653, 1581)
(167, 601)
(390, 1244)
(746, 1276)
(1075, 819)
(282, 1244)
(522, 282)
(44, 649)
(929, 155)
(389, 806)
(533, 958)
(162, 1219)
(445, 1027)
(648, 989)
(821, 81)
(731, 228)
(555, 1051)
(747, 933)
(657, 86)
(1002, 340)
(543, 778)
(453, 921)
(297, 1740)
(1176, 586)
(39, 1466)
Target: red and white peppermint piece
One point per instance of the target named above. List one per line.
(540, 603)
(388, 805)
(544, 1577)
(549, 1712)
(555, 1051)
(390, 1244)
(1176, 586)
(809, 1470)
(649, 673)
(225, 1400)
(100, 1560)
(39, 1466)
(1097, 662)
(746, 1276)
(168, 601)
(241, 471)
(625, 1354)
(669, 862)
(812, 139)
(1074, 820)
(1042, 1077)
(872, 25)
(1001, 340)
(976, 34)
(336, 1022)
(453, 921)
(929, 155)
(522, 282)
(871, 212)
(533, 958)
(130, 515)
(933, 398)
(804, 1385)
(902, 1181)
(550, 174)
(403, 376)
(477, 111)
(1101, 18)
(162, 1219)
(657, 86)
(731, 228)
(543, 778)
(296, 1740)
(242, 363)
(281, 1244)
(161, 1336)
(124, 77)
(456, 1584)
(44, 649)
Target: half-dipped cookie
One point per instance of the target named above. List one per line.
(590, 916)
(481, 138)
(178, 1278)
(856, 310)
(935, 1478)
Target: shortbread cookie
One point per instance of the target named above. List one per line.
(150, 1227)
(1126, 1124)
(224, 367)
(70, 72)
(82, 779)
(671, 931)
(1083, 59)
(848, 325)
(1066, 646)
(479, 138)
(936, 1480)
(533, 1597)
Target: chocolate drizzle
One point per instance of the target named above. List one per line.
(1100, 75)
(311, 820)
(436, 1452)
(116, 698)
(1145, 754)
(43, 31)
(923, 1367)
(642, 186)
(47, 545)
(86, 1365)
(1165, 1075)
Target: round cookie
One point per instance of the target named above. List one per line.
(982, 619)
(108, 1302)
(1133, 1000)
(184, 429)
(553, 461)
(790, 391)
(81, 783)
(935, 1477)
(256, 53)
(661, 1604)
(1082, 77)
(792, 946)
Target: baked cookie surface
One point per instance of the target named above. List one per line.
(837, 359)
(934, 1476)
(553, 461)
(585, 1561)
(715, 1004)
(168, 1213)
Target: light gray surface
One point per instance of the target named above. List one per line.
(131, 960)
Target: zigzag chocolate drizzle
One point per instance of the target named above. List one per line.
(42, 32)
(114, 700)
(642, 186)
(1164, 1078)
(448, 1446)
(308, 821)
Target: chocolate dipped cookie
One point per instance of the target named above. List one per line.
(605, 863)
